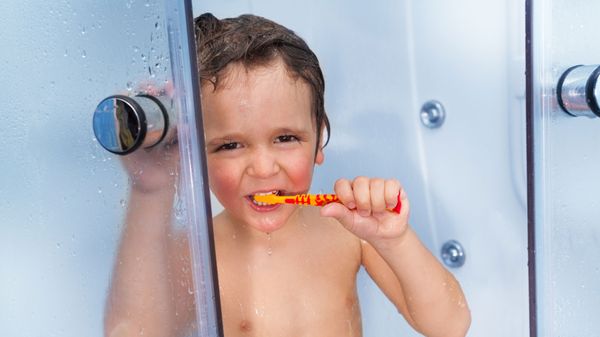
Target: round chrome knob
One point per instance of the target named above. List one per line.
(577, 91)
(123, 124)
(453, 254)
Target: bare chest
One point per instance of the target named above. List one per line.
(290, 291)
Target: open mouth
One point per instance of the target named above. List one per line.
(263, 204)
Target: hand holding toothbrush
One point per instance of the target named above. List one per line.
(363, 209)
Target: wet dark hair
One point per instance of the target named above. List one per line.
(255, 41)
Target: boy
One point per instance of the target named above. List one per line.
(283, 270)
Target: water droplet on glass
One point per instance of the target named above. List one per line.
(269, 251)
(122, 202)
(99, 190)
(83, 54)
(58, 245)
(129, 86)
(83, 30)
(179, 211)
(66, 53)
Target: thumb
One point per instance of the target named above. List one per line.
(339, 212)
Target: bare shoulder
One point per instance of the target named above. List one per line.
(329, 234)
(330, 227)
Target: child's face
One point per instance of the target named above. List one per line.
(260, 138)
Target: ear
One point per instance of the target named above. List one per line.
(320, 156)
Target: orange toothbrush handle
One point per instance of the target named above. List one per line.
(324, 199)
(312, 199)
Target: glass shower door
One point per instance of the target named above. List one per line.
(64, 198)
(566, 56)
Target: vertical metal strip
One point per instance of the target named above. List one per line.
(529, 103)
(195, 85)
(193, 167)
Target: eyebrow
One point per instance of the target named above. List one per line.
(292, 130)
(222, 140)
(236, 135)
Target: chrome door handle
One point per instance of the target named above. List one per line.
(122, 124)
(577, 91)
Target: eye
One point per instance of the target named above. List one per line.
(228, 146)
(286, 139)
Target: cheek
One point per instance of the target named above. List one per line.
(300, 170)
(222, 179)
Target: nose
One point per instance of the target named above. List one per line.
(263, 164)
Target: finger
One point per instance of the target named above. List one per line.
(340, 213)
(405, 209)
(343, 190)
(169, 89)
(377, 189)
(362, 196)
(392, 190)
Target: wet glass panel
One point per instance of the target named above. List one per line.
(77, 256)
(566, 163)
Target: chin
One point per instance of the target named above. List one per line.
(269, 224)
(271, 221)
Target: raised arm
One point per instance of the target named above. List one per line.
(151, 287)
(426, 294)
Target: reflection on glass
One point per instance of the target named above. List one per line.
(122, 117)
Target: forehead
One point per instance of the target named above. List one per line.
(267, 93)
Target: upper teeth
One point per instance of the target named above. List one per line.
(267, 193)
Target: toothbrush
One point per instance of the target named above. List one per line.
(309, 199)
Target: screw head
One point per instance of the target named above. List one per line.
(433, 114)
(453, 254)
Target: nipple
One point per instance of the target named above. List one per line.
(245, 326)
